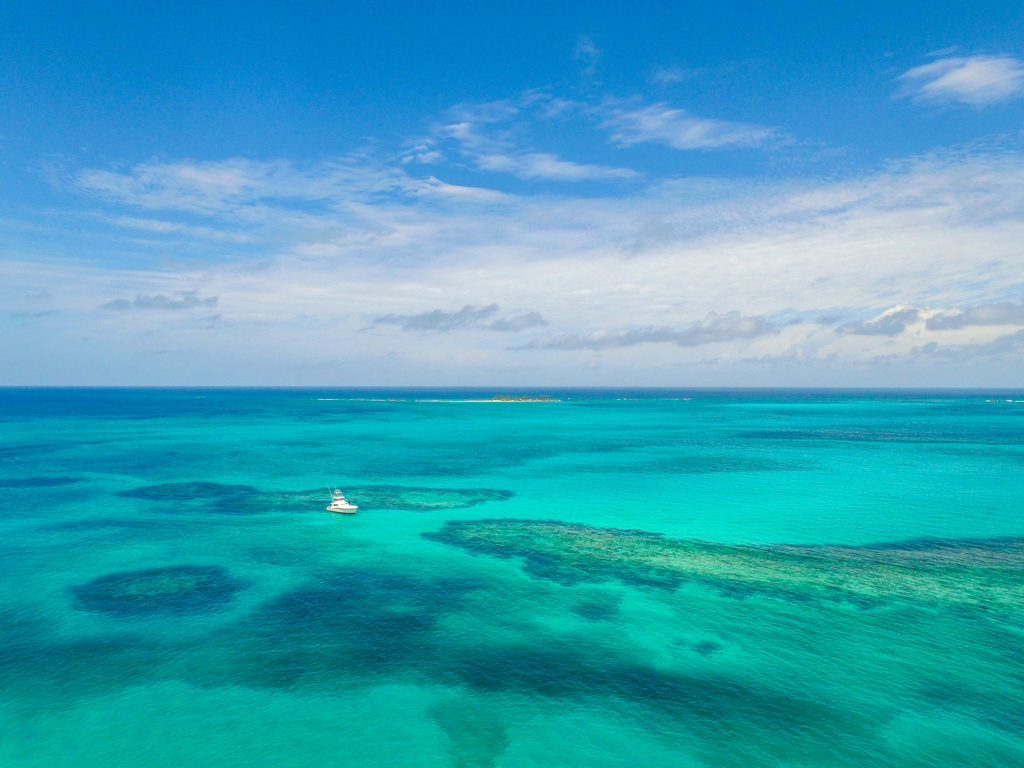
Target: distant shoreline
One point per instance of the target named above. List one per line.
(498, 399)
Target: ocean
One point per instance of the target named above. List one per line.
(701, 578)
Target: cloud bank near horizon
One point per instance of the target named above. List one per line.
(342, 265)
(468, 317)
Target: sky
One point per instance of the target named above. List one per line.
(512, 194)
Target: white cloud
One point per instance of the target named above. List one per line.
(541, 165)
(1000, 313)
(676, 128)
(494, 136)
(244, 187)
(185, 300)
(713, 329)
(468, 317)
(892, 322)
(440, 320)
(499, 136)
(518, 323)
(424, 154)
(1011, 344)
(341, 244)
(974, 80)
(201, 187)
(163, 227)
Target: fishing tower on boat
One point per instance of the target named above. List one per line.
(339, 503)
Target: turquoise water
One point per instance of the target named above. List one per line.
(175, 594)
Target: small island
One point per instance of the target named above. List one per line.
(524, 399)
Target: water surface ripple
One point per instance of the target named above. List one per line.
(613, 578)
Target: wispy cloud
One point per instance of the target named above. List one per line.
(541, 165)
(676, 128)
(501, 136)
(518, 323)
(422, 153)
(669, 75)
(890, 323)
(162, 227)
(1007, 345)
(935, 233)
(715, 328)
(439, 320)
(495, 136)
(1000, 313)
(242, 186)
(468, 317)
(185, 300)
(34, 315)
(587, 54)
(829, 318)
(975, 80)
(202, 187)
(212, 322)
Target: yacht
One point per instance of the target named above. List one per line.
(339, 504)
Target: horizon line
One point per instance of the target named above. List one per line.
(516, 387)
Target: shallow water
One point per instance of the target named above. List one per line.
(740, 578)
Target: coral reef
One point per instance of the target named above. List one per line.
(176, 589)
(246, 500)
(985, 575)
(412, 499)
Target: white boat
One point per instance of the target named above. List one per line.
(339, 504)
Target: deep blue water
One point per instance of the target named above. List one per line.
(174, 592)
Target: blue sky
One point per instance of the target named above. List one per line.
(496, 193)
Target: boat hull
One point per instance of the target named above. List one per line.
(347, 509)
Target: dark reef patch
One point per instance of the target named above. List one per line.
(20, 450)
(350, 622)
(366, 497)
(509, 538)
(23, 633)
(594, 609)
(253, 502)
(171, 590)
(363, 626)
(708, 704)
(411, 499)
(37, 482)
(707, 647)
(997, 705)
(368, 624)
(246, 500)
(977, 575)
(476, 737)
(37, 666)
